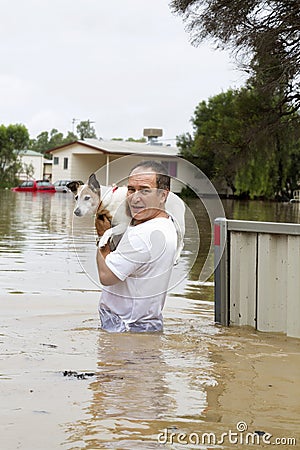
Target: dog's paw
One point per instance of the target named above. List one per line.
(103, 240)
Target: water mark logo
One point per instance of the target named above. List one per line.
(188, 176)
(240, 436)
(241, 426)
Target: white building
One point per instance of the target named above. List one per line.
(111, 161)
(34, 166)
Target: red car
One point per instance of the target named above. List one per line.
(35, 186)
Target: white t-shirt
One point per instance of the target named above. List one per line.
(143, 261)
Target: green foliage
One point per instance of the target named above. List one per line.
(46, 141)
(131, 139)
(187, 192)
(254, 180)
(219, 142)
(141, 140)
(293, 167)
(86, 130)
(13, 138)
(252, 140)
(235, 141)
(28, 169)
(264, 35)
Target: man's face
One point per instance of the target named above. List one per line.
(145, 201)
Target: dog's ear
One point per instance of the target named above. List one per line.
(94, 184)
(73, 186)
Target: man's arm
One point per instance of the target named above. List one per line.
(106, 276)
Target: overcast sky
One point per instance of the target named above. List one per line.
(123, 64)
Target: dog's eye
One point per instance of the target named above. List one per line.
(87, 197)
(76, 197)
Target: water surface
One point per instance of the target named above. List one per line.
(195, 377)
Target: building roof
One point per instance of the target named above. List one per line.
(30, 153)
(123, 147)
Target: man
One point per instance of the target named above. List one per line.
(135, 276)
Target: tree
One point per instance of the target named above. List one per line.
(86, 130)
(141, 140)
(13, 138)
(219, 144)
(263, 33)
(46, 141)
(71, 137)
(41, 143)
(56, 138)
(28, 169)
(231, 143)
(264, 36)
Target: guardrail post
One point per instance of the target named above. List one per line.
(221, 274)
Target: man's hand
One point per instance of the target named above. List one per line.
(105, 250)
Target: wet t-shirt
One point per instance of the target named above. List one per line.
(143, 262)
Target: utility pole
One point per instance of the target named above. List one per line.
(73, 124)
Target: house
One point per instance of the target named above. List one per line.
(32, 165)
(111, 160)
(47, 173)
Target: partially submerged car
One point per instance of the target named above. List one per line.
(35, 186)
(61, 185)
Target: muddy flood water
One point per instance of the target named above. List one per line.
(64, 384)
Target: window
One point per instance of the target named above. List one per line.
(56, 160)
(65, 163)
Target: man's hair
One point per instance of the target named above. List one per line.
(162, 177)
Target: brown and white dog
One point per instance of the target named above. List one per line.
(108, 204)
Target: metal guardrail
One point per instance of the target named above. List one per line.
(262, 227)
(257, 279)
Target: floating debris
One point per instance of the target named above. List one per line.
(260, 432)
(79, 376)
(50, 345)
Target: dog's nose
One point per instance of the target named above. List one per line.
(77, 212)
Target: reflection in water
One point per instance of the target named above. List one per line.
(262, 211)
(143, 384)
(35, 238)
(32, 218)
